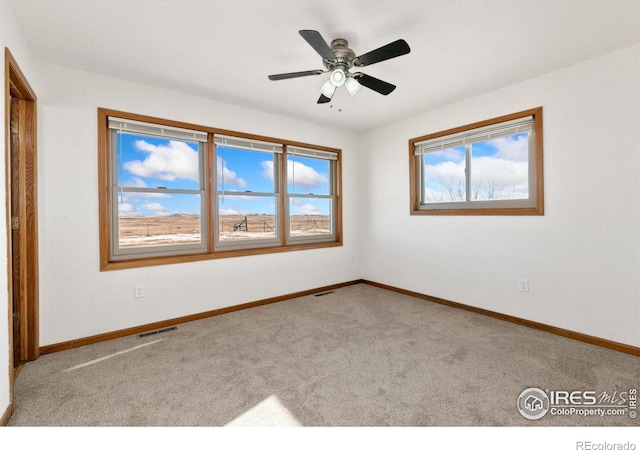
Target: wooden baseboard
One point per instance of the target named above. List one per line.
(4, 420)
(177, 321)
(617, 346)
(623, 348)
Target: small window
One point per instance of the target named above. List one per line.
(311, 195)
(491, 167)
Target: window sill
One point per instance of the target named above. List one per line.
(535, 211)
(163, 260)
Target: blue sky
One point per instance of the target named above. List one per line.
(150, 162)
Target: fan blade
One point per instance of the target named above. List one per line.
(397, 48)
(323, 99)
(284, 76)
(375, 84)
(316, 41)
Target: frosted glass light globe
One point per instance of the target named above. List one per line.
(338, 77)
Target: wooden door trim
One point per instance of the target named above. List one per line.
(17, 86)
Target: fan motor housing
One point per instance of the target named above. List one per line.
(344, 55)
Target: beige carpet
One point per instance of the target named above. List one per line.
(360, 356)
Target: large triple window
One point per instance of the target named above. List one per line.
(491, 167)
(173, 192)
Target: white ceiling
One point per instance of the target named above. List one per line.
(224, 49)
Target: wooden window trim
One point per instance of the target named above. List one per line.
(104, 205)
(538, 209)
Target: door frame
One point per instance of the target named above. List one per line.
(17, 86)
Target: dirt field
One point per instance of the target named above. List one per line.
(185, 228)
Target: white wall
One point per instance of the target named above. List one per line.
(76, 299)
(10, 37)
(582, 257)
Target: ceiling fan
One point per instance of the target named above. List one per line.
(339, 58)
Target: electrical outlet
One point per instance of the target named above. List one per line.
(326, 263)
(523, 285)
(138, 291)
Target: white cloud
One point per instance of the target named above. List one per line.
(228, 212)
(451, 154)
(227, 176)
(304, 177)
(512, 149)
(166, 162)
(267, 169)
(135, 182)
(445, 170)
(155, 209)
(127, 210)
(305, 209)
(507, 175)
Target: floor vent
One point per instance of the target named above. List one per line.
(323, 293)
(149, 333)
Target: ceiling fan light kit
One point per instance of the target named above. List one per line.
(337, 77)
(339, 58)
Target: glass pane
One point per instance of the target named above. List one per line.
(309, 216)
(240, 170)
(148, 221)
(444, 178)
(308, 175)
(500, 168)
(245, 217)
(145, 161)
